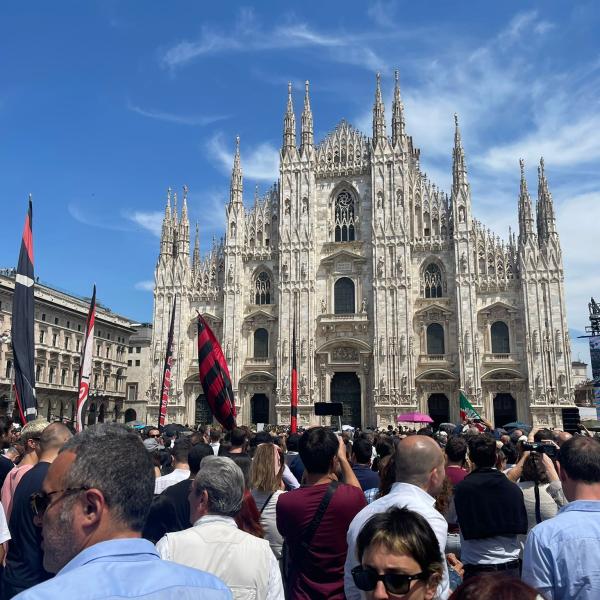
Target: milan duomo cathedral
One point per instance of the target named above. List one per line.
(399, 296)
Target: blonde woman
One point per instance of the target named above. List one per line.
(266, 486)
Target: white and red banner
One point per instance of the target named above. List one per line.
(85, 366)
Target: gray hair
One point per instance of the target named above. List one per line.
(223, 481)
(112, 459)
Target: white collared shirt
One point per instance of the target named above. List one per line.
(404, 495)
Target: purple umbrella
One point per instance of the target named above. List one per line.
(414, 417)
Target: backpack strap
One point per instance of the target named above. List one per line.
(266, 503)
(319, 514)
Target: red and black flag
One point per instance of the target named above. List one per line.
(23, 346)
(294, 380)
(214, 376)
(166, 378)
(85, 364)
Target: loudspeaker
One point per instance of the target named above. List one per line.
(570, 417)
(332, 409)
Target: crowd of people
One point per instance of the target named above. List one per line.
(465, 512)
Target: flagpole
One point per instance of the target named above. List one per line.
(166, 378)
(294, 380)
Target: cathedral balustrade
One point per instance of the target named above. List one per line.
(496, 358)
(434, 358)
(259, 362)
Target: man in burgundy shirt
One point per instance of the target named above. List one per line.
(318, 571)
(456, 453)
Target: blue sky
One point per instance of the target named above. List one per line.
(103, 105)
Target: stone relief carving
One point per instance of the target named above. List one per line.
(345, 353)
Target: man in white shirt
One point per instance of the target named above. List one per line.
(215, 544)
(181, 469)
(420, 474)
(215, 441)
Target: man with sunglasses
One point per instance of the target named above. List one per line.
(24, 567)
(92, 507)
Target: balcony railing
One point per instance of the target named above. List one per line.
(435, 358)
(497, 357)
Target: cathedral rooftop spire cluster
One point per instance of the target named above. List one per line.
(403, 297)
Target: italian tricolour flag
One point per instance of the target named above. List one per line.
(466, 409)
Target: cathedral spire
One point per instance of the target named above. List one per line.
(397, 113)
(307, 122)
(236, 187)
(166, 238)
(459, 167)
(184, 226)
(289, 124)
(545, 207)
(378, 115)
(196, 256)
(525, 208)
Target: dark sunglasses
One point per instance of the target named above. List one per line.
(155, 435)
(40, 501)
(366, 580)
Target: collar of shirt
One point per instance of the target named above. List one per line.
(125, 547)
(215, 519)
(404, 488)
(582, 506)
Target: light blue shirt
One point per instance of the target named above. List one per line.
(562, 555)
(127, 568)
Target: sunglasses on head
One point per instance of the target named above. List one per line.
(40, 501)
(366, 578)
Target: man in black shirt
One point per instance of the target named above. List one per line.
(24, 562)
(170, 510)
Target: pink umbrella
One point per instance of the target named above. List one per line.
(414, 417)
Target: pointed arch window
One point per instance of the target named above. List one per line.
(432, 282)
(261, 343)
(435, 339)
(344, 296)
(500, 338)
(262, 288)
(344, 217)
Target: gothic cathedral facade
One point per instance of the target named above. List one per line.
(396, 296)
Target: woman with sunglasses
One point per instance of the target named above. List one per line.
(399, 557)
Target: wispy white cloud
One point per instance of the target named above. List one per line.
(201, 120)
(144, 286)
(88, 215)
(248, 35)
(150, 221)
(260, 163)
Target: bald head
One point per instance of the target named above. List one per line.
(53, 438)
(562, 437)
(416, 457)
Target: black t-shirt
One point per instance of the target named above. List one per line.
(6, 466)
(178, 495)
(24, 562)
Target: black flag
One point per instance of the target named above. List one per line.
(22, 326)
(166, 378)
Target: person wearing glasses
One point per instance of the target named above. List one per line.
(92, 508)
(399, 557)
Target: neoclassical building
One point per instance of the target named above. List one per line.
(400, 296)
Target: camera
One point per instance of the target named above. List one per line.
(542, 448)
